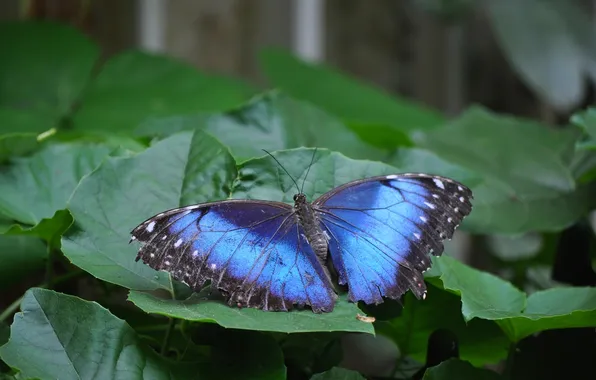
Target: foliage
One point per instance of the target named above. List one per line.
(140, 134)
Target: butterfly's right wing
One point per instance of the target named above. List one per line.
(253, 251)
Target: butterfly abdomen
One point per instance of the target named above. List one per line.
(308, 219)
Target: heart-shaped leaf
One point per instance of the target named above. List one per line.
(135, 86)
(44, 67)
(527, 180)
(486, 296)
(122, 192)
(377, 117)
(480, 341)
(57, 336)
(272, 121)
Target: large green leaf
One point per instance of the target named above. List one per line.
(186, 168)
(527, 181)
(134, 86)
(16, 144)
(57, 336)
(48, 229)
(550, 44)
(461, 370)
(44, 67)
(488, 297)
(272, 121)
(377, 117)
(34, 188)
(480, 341)
(122, 192)
(200, 308)
(262, 178)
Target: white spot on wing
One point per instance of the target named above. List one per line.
(450, 219)
(417, 235)
(423, 218)
(150, 226)
(164, 237)
(439, 183)
(177, 244)
(430, 205)
(460, 188)
(461, 199)
(195, 253)
(167, 263)
(435, 196)
(456, 209)
(133, 238)
(152, 255)
(392, 176)
(213, 266)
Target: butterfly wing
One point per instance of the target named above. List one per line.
(254, 251)
(382, 229)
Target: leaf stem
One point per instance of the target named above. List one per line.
(510, 360)
(171, 324)
(166, 339)
(15, 305)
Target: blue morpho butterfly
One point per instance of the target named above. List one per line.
(269, 255)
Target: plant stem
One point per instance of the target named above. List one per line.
(171, 324)
(510, 360)
(11, 309)
(15, 305)
(166, 339)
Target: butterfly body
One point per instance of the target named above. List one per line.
(378, 232)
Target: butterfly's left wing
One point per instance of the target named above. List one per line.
(254, 251)
(382, 230)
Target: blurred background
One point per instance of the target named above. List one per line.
(535, 58)
(529, 58)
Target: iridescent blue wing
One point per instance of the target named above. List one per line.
(255, 252)
(382, 230)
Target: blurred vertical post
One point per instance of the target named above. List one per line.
(309, 30)
(151, 25)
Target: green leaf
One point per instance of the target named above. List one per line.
(50, 230)
(338, 373)
(81, 340)
(16, 144)
(17, 121)
(556, 308)
(550, 45)
(135, 86)
(586, 120)
(528, 184)
(424, 161)
(20, 255)
(480, 341)
(124, 191)
(262, 178)
(460, 370)
(44, 67)
(486, 296)
(199, 308)
(357, 104)
(272, 121)
(34, 188)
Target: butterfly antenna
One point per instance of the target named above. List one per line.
(289, 175)
(308, 170)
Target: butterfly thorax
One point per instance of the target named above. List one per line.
(308, 219)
